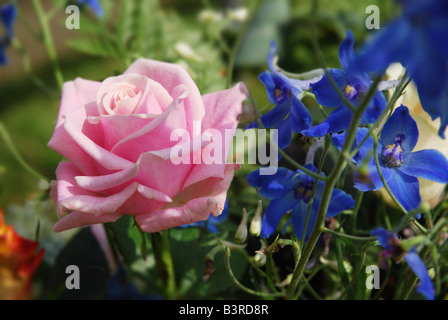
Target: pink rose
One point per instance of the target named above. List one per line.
(117, 138)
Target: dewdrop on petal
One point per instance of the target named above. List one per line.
(241, 232)
(255, 224)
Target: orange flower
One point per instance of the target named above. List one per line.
(18, 262)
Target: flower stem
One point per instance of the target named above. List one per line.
(347, 236)
(328, 190)
(48, 42)
(10, 145)
(164, 262)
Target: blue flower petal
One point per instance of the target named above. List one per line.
(337, 121)
(371, 180)
(339, 202)
(8, 14)
(346, 52)
(267, 78)
(3, 58)
(274, 213)
(271, 55)
(284, 133)
(418, 267)
(276, 115)
(325, 93)
(429, 77)
(300, 116)
(406, 189)
(95, 5)
(298, 218)
(375, 108)
(383, 236)
(338, 140)
(387, 46)
(273, 186)
(435, 106)
(400, 123)
(427, 164)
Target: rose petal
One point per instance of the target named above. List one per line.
(75, 125)
(156, 134)
(161, 170)
(196, 209)
(65, 186)
(80, 219)
(110, 92)
(75, 94)
(104, 182)
(170, 76)
(96, 205)
(115, 127)
(223, 109)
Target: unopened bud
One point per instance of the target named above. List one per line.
(238, 14)
(260, 255)
(425, 207)
(259, 259)
(255, 224)
(186, 52)
(209, 16)
(241, 232)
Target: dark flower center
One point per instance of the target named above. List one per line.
(351, 92)
(392, 154)
(304, 190)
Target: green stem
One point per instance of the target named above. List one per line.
(412, 280)
(348, 236)
(355, 210)
(48, 42)
(237, 44)
(240, 285)
(164, 262)
(358, 269)
(291, 160)
(313, 192)
(329, 186)
(315, 43)
(10, 145)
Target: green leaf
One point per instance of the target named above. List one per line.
(189, 247)
(93, 46)
(341, 267)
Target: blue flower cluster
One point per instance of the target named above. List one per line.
(95, 5)
(8, 15)
(418, 40)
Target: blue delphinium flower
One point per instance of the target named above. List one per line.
(393, 248)
(95, 5)
(353, 85)
(289, 114)
(399, 166)
(212, 222)
(8, 15)
(418, 40)
(288, 190)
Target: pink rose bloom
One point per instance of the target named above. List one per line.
(121, 156)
